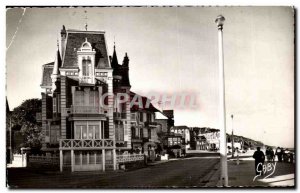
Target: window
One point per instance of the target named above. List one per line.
(84, 158)
(170, 142)
(149, 133)
(84, 132)
(86, 67)
(48, 130)
(92, 157)
(58, 103)
(133, 134)
(141, 133)
(90, 132)
(137, 132)
(78, 132)
(77, 157)
(54, 133)
(79, 98)
(54, 105)
(97, 132)
(99, 157)
(119, 131)
(92, 98)
(141, 117)
(149, 117)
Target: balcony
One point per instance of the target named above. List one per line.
(151, 124)
(86, 144)
(86, 80)
(86, 110)
(119, 116)
(146, 139)
(137, 139)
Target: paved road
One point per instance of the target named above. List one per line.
(180, 173)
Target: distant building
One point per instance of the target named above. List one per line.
(184, 133)
(205, 138)
(144, 127)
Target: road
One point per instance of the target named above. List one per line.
(180, 173)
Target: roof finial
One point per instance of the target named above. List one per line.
(86, 25)
(114, 42)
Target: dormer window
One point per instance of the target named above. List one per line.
(86, 63)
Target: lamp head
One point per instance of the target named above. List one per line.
(220, 21)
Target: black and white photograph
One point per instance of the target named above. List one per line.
(147, 97)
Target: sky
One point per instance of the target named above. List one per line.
(174, 50)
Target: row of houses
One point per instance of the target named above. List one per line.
(205, 138)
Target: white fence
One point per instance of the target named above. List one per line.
(19, 160)
(125, 158)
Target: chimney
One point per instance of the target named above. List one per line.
(126, 60)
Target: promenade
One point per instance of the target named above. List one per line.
(243, 174)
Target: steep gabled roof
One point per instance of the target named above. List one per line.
(144, 101)
(47, 71)
(160, 115)
(169, 113)
(180, 127)
(74, 42)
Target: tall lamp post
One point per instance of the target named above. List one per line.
(222, 116)
(232, 140)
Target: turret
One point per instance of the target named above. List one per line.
(63, 36)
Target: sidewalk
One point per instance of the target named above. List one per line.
(242, 175)
(162, 161)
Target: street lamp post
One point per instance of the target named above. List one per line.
(222, 116)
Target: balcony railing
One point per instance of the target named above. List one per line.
(137, 139)
(118, 115)
(86, 80)
(86, 110)
(86, 144)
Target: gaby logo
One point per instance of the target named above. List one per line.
(266, 168)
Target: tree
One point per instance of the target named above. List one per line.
(23, 119)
